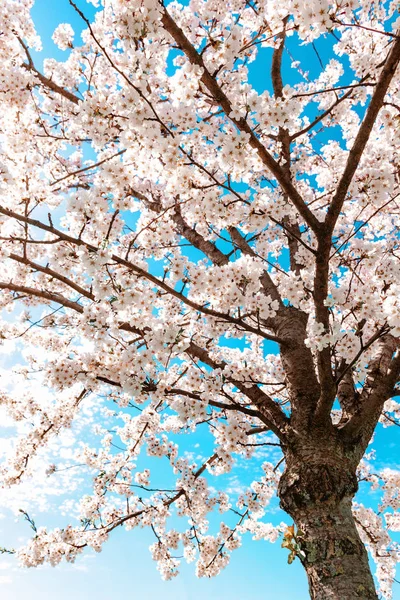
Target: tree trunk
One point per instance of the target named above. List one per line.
(317, 492)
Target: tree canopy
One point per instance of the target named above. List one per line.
(199, 224)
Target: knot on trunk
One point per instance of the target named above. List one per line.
(318, 482)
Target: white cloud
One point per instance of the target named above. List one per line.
(5, 579)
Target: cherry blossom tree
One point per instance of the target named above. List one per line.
(205, 255)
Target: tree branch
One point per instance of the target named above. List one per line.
(265, 279)
(383, 374)
(363, 135)
(240, 323)
(220, 97)
(50, 296)
(53, 274)
(271, 413)
(45, 81)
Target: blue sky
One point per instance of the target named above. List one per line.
(258, 570)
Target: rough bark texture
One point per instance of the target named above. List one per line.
(336, 561)
(317, 489)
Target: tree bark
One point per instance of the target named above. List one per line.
(317, 491)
